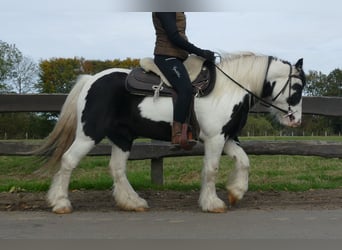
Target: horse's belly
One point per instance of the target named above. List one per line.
(157, 110)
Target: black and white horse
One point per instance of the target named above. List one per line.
(99, 106)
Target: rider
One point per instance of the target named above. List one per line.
(171, 49)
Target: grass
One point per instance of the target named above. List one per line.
(293, 173)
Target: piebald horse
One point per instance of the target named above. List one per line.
(99, 107)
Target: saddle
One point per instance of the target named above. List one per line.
(147, 80)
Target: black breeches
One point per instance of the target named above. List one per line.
(175, 72)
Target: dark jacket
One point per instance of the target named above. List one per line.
(171, 39)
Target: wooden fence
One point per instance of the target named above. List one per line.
(157, 151)
(329, 106)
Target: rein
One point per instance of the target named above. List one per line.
(288, 113)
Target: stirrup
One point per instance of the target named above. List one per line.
(188, 146)
(186, 143)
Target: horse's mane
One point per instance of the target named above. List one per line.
(244, 67)
(247, 57)
(231, 56)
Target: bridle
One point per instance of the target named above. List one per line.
(289, 112)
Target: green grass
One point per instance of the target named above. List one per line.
(293, 173)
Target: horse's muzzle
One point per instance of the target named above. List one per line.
(295, 124)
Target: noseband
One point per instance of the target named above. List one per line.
(288, 113)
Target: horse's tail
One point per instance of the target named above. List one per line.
(63, 134)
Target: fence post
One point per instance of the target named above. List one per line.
(157, 171)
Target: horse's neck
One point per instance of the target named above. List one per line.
(249, 71)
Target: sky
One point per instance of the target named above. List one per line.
(109, 29)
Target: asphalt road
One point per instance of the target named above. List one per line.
(250, 224)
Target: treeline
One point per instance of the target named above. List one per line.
(58, 75)
(20, 74)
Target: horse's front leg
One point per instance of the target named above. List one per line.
(237, 184)
(208, 201)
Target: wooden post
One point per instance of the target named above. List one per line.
(157, 171)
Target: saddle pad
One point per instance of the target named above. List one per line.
(193, 65)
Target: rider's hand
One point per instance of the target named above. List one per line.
(209, 55)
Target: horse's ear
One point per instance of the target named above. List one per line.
(299, 64)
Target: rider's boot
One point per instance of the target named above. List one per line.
(181, 137)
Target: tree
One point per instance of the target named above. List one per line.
(334, 82)
(95, 66)
(316, 84)
(319, 84)
(17, 72)
(9, 56)
(58, 75)
(24, 76)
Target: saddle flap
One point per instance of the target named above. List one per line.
(140, 82)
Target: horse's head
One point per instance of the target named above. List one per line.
(285, 83)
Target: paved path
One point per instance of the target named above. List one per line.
(253, 224)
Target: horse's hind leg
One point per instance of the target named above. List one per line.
(237, 184)
(58, 192)
(125, 196)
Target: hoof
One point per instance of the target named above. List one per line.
(137, 209)
(63, 210)
(218, 210)
(232, 199)
(141, 209)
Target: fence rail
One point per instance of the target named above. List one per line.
(328, 106)
(157, 151)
